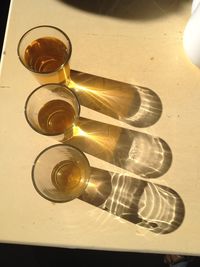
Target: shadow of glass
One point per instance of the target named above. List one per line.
(135, 105)
(139, 153)
(99, 187)
(128, 9)
(155, 207)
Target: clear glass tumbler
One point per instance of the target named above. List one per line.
(60, 173)
(45, 51)
(52, 109)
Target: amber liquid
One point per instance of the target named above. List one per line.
(46, 55)
(56, 116)
(66, 176)
(48, 59)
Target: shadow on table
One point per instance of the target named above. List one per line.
(134, 105)
(136, 152)
(129, 9)
(154, 207)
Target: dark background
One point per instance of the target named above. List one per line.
(4, 6)
(33, 256)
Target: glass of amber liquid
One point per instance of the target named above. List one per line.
(46, 51)
(53, 110)
(60, 173)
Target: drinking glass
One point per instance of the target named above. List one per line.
(45, 51)
(60, 173)
(53, 110)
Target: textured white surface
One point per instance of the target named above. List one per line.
(195, 3)
(191, 37)
(146, 52)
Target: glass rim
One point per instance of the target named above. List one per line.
(38, 157)
(47, 72)
(37, 89)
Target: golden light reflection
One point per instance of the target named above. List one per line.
(98, 188)
(105, 97)
(108, 95)
(105, 143)
(139, 153)
(92, 185)
(135, 105)
(77, 131)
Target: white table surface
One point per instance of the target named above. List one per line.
(144, 51)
